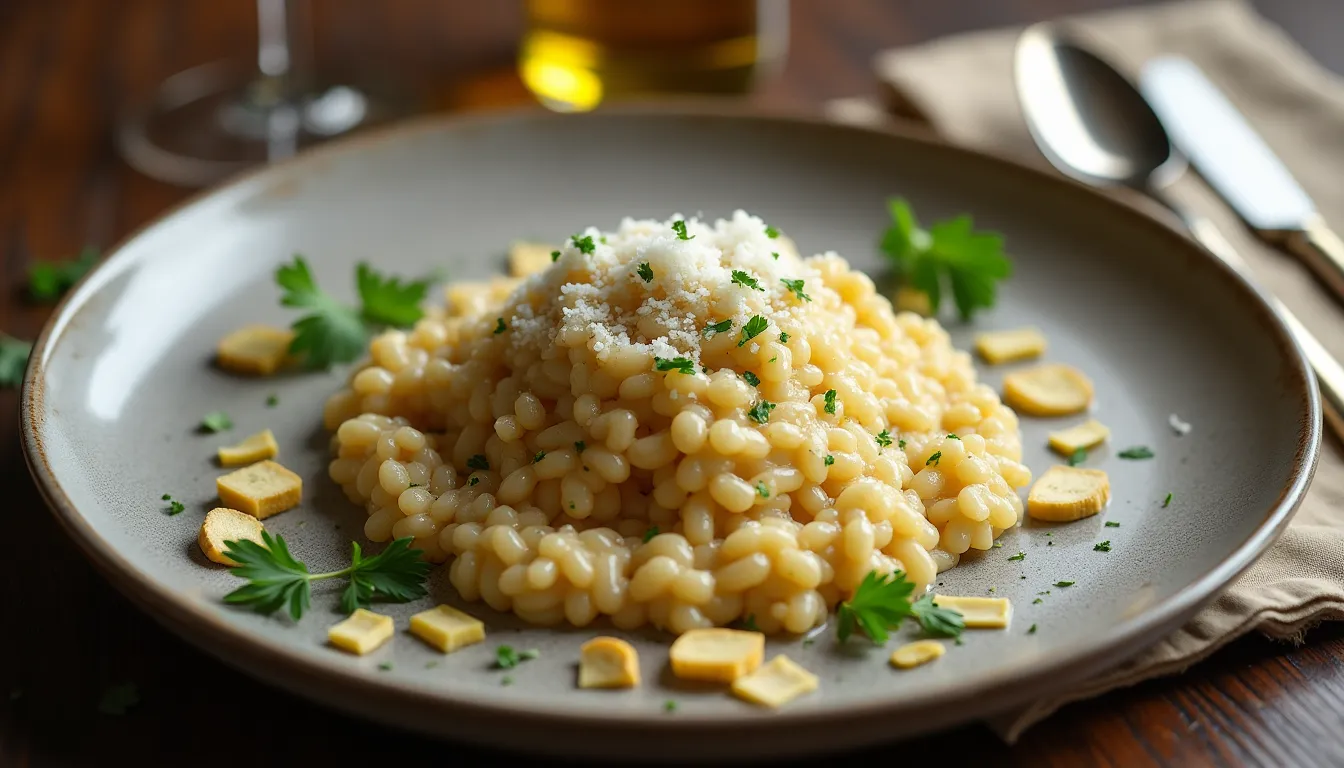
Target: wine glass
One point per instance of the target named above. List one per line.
(211, 121)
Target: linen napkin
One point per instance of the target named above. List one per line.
(962, 87)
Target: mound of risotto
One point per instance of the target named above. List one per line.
(677, 423)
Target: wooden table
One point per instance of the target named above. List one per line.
(67, 66)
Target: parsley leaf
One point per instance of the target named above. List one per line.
(796, 286)
(580, 446)
(751, 378)
(216, 421)
(331, 332)
(176, 507)
(13, 360)
(754, 327)
(649, 534)
(555, 256)
(669, 706)
(1063, 584)
(749, 623)
(760, 412)
(934, 459)
(900, 444)
(948, 252)
(1137, 452)
(1077, 457)
(49, 280)
(762, 489)
(1104, 546)
(478, 461)
(1019, 557)
(883, 438)
(880, 603)
(272, 401)
(1112, 524)
(830, 401)
(538, 456)
(678, 364)
(771, 232)
(1165, 503)
(743, 278)
(720, 327)
(276, 579)
(386, 301)
(938, 622)
(645, 272)
(584, 243)
(500, 327)
(784, 337)
(680, 228)
(829, 460)
(1031, 630)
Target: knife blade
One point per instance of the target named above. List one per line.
(1237, 163)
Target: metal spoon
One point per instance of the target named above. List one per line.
(1092, 124)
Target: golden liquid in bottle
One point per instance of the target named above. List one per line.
(579, 53)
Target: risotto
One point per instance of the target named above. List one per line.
(677, 423)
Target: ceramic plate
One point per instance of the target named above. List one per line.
(122, 376)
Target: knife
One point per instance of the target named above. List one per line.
(1237, 163)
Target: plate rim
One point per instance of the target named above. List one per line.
(245, 651)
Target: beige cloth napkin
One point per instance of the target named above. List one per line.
(963, 87)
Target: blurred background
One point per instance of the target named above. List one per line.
(112, 111)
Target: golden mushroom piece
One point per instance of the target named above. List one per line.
(1064, 494)
(1053, 389)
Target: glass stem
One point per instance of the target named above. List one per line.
(282, 26)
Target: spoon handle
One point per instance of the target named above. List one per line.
(1329, 373)
(1321, 249)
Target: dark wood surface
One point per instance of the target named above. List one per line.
(68, 66)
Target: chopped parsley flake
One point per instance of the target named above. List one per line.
(272, 401)
(540, 455)
(506, 680)
(796, 287)
(830, 402)
(1031, 630)
(1137, 452)
(508, 658)
(176, 508)
(678, 364)
(829, 460)
(720, 327)
(762, 489)
(386, 666)
(1037, 601)
(783, 338)
(1077, 457)
(579, 446)
(771, 232)
(760, 412)
(669, 706)
(754, 327)
(883, 438)
(1063, 584)
(900, 444)
(649, 534)
(952, 436)
(500, 327)
(166, 497)
(584, 244)
(478, 461)
(934, 459)
(1104, 546)
(216, 421)
(555, 256)
(751, 378)
(1019, 557)
(743, 278)
(1165, 503)
(645, 272)
(680, 228)
(473, 481)
(998, 545)
(749, 623)
(775, 254)
(1112, 524)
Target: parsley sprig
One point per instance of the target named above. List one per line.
(882, 602)
(949, 252)
(276, 579)
(333, 332)
(48, 280)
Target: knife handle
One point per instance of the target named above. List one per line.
(1329, 372)
(1322, 250)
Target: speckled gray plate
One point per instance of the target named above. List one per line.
(122, 376)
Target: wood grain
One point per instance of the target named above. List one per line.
(67, 68)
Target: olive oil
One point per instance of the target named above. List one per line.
(577, 54)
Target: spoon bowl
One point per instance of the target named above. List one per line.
(1091, 123)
